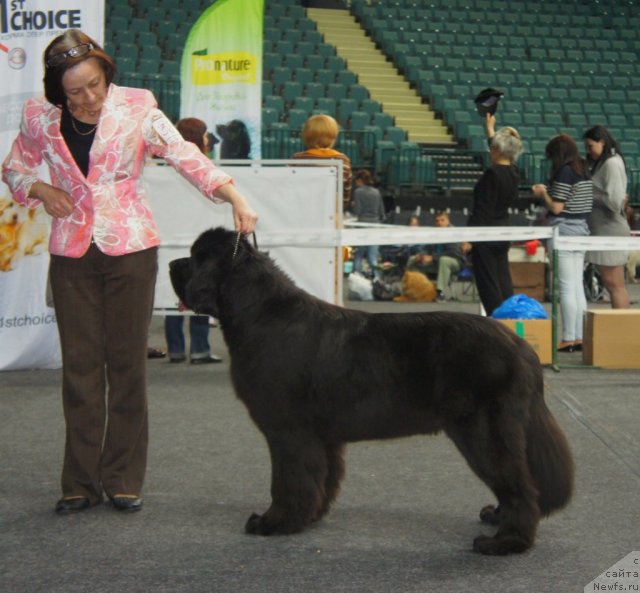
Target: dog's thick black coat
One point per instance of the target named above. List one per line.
(316, 376)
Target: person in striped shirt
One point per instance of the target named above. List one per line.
(569, 198)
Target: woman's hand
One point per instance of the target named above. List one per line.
(244, 217)
(490, 123)
(57, 202)
(539, 190)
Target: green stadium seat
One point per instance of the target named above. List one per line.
(314, 62)
(274, 102)
(325, 76)
(138, 24)
(350, 148)
(269, 116)
(346, 107)
(313, 36)
(358, 92)
(118, 23)
(346, 77)
(303, 75)
(395, 135)
(270, 61)
(267, 87)
(335, 63)
(291, 89)
(146, 66)
(119, 10)
(281, 75)
(336, 91)
(297, 118)
(293, 35)
(359, 120)
(155, 15)
(127, 51)
(171, 68)
(370, 106)
(382, 120)
(145, 38)
(326, 105)
(304, 49)
(269, 147)
(315, 90)
(304, 104)
(293, 61)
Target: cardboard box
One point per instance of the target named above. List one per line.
(537, 332)
(528, 278)
(612, 339)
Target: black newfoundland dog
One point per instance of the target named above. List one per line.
(316, 376)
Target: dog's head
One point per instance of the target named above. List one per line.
(236, 143)
(197, 280)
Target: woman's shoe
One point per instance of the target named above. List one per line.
(155, 353)
(75, 504)
(126, 502)
(212, 358)
(565, 347)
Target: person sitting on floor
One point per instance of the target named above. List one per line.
(440, 260)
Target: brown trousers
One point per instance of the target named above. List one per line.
(103, 307)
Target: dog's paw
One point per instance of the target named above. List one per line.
(490, 514)
(256, 525)
(499, 546)
(269, 524)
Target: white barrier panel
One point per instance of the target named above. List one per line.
(596, 243)
(301, 198)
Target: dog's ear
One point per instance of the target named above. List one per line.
(180, 273)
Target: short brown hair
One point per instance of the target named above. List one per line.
(365, 176)
(320, 131)
(193, 130)
(53, 89)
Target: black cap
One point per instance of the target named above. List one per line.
(487, 101)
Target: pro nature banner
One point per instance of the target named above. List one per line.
(221, 75)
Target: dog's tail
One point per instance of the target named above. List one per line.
(549, 457)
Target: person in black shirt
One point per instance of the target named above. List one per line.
(493, 194)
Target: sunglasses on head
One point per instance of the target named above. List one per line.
(74, 52)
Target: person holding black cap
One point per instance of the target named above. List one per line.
(493, 194)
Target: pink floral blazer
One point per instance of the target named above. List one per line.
(111, 204)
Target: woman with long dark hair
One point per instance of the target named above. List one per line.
(569, 198)
(609, 175)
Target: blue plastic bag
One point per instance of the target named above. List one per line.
(520, 306)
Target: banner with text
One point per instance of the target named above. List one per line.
(221, 75)
(28, 332)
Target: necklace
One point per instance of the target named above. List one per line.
(88, 133)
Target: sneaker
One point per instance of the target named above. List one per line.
(441, 298)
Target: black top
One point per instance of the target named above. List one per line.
(79, 144)
(493, 195)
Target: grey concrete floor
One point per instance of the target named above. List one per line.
(404, 521)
